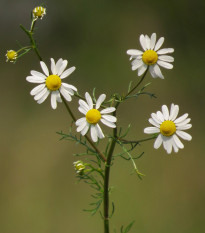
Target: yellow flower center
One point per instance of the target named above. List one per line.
(39, 12)
(93, 116)
(11, 55)
(53, 82)
(79, 167)
(167, 128)
(149, 57)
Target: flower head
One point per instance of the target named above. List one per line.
(52, 83)
(169, 128)
(93, 116)
(11, 56)
(79, 166)
(39, 12)
(152, 57)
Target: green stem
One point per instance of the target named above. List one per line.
(88, 139)
(137, 142)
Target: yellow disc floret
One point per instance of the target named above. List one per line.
(93, 116)
(149, 57)
(11, 55)
(53, 82)
(167, 128)
(39, 12)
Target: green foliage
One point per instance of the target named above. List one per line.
(127, 229)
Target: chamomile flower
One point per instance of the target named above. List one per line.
(170, 128)
(52, 83)
(93, 116)
(39, 12)
(79, 166)
(152, 57)
(11, 56)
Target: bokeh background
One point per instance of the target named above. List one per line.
(39, 192)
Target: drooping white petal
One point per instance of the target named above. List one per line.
(176, 149)
(67, 72)
(108, 123)
(137, 64)
(167, 143)
(68, 86)
(65, 94)
(165, 112)
(53, 67)
(85, 130)
(181, 118)
(165, 51)
(151, 130)
(44, 68)
(157, 71)
(152, 72)
(108, 110)
(58, 98)
(178, 142)
(89, 100)
(159, 43)
(184, 135)
(70, 91)
(99, 131)
(160, 116)
(142, 69)
(81, 126)
(164, 64)
(143, 42)
(44, 97)
(54, 99)
(62, 67)
(166, 58)
(134, 52)
(153, 40)
(34, 79)
(109, 118)
(40, 94)
(100, 100)
(174, 112)
(158, 142)
(37, 89)
(80, 121)
(38, 74)
(94, 134)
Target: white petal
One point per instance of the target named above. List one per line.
(160, 116)
(153, 41)
(70, 91)
(174, 112)
(53, 66)
(159, 43)
(37, 89)
(164, 64)
(134, 52)
(152, 72)
(38, 74)
(137, 64)
(80, 121)
(65, 94)
(184, 127)
(67, 72)
(58, 98)
(143, 42)
(68, 86)
(40, 94)
(165, 51)
(99, 131)
(109, 124)
(176, 149)
(89, 100)
(81, 126)
(147, 40)
(165, 112)
(54, 99)
(158, 142)
(151, 130)
(100, 100)
(34, 79)
(166, 58)
(108, 110)
(151, 121)
(184, 135)
(183, 122)
(167, 143)
(82, 110)
(43, 98)
(62, 67)
(158, 71)
(44, 68)
(109, 118)
(85, 130)
(93, 132)
(178, 142)
(142, 69)
(84, 105)
(181, 118)
(156, 118)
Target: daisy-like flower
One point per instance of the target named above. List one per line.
(169, 128)
(93, 116)
(39, 12)
(52, 83)
(152, 57)
(11, 56)
(79, 166)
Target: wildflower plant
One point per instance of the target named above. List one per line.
(95, 164)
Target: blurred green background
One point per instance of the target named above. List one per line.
(38, 189)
